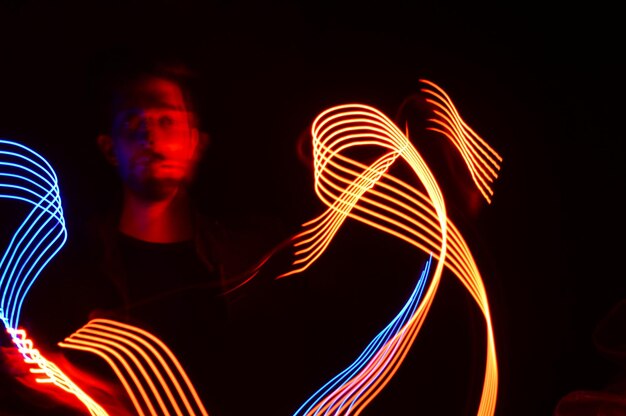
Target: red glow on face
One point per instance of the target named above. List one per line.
(154, 136)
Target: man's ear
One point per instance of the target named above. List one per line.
(204, 140)
(201, 143)
(105, 143)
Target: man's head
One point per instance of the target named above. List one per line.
(153, 139)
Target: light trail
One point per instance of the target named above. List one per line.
(27, 177)
(350, 188)
(365, 359)
(144, 365)
(368, 193)
(48, 372)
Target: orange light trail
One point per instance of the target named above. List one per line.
(139, 359)
(368, 193)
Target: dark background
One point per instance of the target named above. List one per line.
(544, 88)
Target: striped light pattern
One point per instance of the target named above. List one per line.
(27, 177)
(367, 192)
(373, 359)
(155, 381)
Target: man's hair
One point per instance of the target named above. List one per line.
(116, 71)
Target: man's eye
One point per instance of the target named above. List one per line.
(132, 123)
(166, 121)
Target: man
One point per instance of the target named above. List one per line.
(151, 258)
(154, 145)
(171, 266)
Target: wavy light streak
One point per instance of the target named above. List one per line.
(368, 193)
(371, 356)
(152, 376)
(27, 177)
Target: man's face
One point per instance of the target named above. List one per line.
(154, 138)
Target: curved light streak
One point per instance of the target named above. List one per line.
(27, 177)
(144, 365)
(370, 194)
(380, 341)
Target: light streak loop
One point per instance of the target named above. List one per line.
(370, 194)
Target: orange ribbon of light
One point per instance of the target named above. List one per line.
(367, 192)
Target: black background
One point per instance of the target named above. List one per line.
(544, 88)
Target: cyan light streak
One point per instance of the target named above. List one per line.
(379, 341)
(26, 176)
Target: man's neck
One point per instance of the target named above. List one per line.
(165, 221)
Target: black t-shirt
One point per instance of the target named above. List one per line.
(170, 290)
(170, 293)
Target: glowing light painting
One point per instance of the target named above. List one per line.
(29, 178)
(143, 364)
(368, 193)
(374, 358)
(350, 188)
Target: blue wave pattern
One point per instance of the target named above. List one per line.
(27, 177)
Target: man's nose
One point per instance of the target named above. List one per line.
(149, 132)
